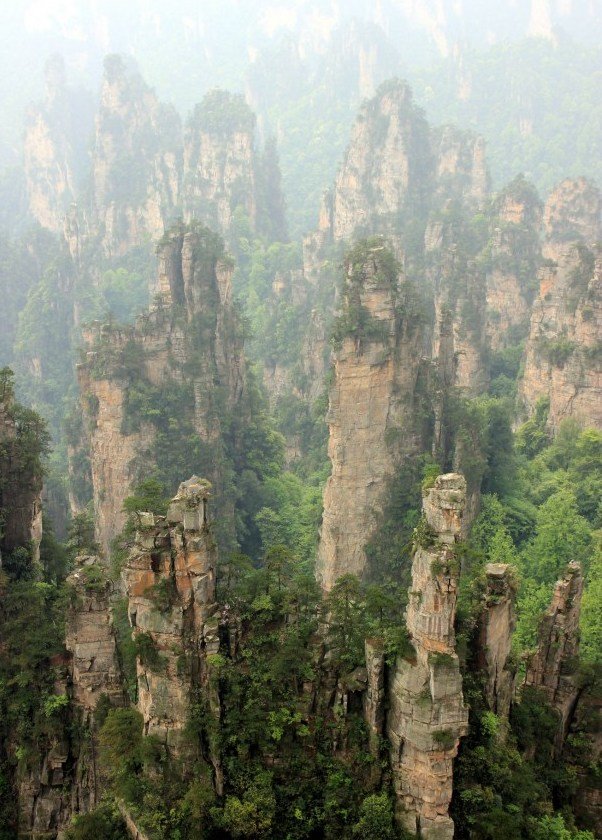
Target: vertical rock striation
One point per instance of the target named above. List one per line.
(220, 162)
(496, 625)
(169, 578)
(552, 669)
(135, 160)
(512, 260)
(371, 419)
(563, 358)
(56, 132)
(189, 345)
(427, 715)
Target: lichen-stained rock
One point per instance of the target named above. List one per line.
(169, 578)
(90, 638)
(563, 359)
(44, 807)
(496, 625)
(427, 715)
(371, 419)
(552, 669)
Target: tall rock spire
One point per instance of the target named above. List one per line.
(552, 668)
(427, 715)
(371, 417)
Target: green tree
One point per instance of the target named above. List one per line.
(562, 535)
(376, 820)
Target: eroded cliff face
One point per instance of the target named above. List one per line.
(220, 163)
(54, 148)
(90, 638)
(169, 579)
(496, 625)
(65, 779)
(183, 356)
(427, 716)
(388, 161)
(562, 357)
(552, 669)
(371, 419)
(512, 261)
(135, 160)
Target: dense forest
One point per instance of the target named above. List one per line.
(301, 425)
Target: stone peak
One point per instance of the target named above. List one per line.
(194, 490)
(444, 504)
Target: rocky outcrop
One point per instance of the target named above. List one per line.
(44, 804)
(190, 342)
(458, 284)
(220, 164)
(386, 170)
(371, 419)
(135, 160)
(427, 715)
(552, 669)
(496, 625)
(169, 578)
(563, 361)
(66, 780)
(90, 639)
(512, 259)
(54, 148)
(460, 166)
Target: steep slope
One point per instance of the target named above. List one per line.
(135, 160)
(157, 393)
(372, 397)
(54, 147)
(562, 357)
(427, 715)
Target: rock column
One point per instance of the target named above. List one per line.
(552, 668)
(427, 715)
(169, 578)
(496, 626)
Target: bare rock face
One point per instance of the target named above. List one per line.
(552, 668)
(512, 263)
(44, 809)
(496, 626)
(370, 417)
(562, 356)
(220, 162)
(90, 638)
(54, 148)
(389, 154)
(135, 160)
(458, 284)
(189, 339)
(460, 165)
(427, 716)
(169, 578)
